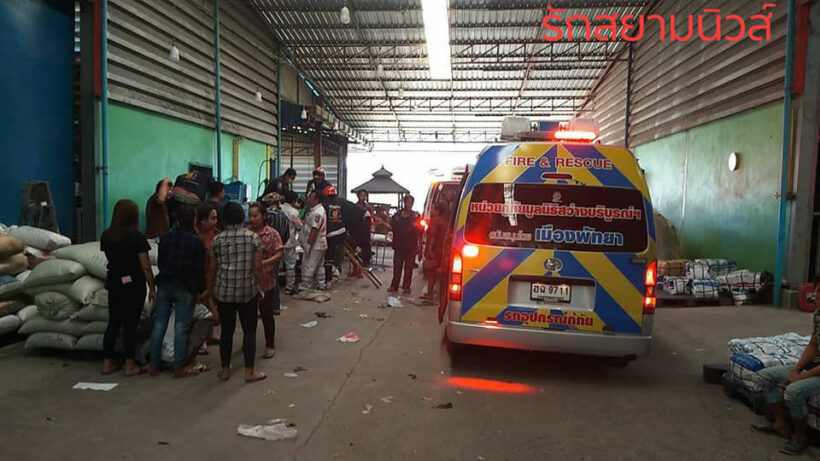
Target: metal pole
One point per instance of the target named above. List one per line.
(278, 115)
(785, 154)
(104, 108)
(218, 88)
(628, 94)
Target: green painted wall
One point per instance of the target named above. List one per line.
(145, 147)
(724, 214)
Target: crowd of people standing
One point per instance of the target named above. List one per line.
(224, 259)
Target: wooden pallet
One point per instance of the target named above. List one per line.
(666, 300)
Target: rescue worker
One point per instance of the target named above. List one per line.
(318, 182)
(336, 230)
(406, 238)
(314, 241)
(291, 209)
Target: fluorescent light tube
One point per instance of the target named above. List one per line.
(437, 34)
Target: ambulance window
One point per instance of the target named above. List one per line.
(559, 217)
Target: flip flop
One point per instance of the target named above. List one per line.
(139, 372)
(767, 429)
(202, 352)
(269, 355)
(257, 378)
(202, 367)
(793, 448)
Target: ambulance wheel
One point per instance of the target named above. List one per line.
(452, 348)
(618, 362)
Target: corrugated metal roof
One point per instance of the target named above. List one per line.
(501, 65)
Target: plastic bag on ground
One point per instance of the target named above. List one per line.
(275, 429)
(349, 338)
(393, 301)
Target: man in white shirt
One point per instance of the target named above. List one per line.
(313, 239)
(294, 228)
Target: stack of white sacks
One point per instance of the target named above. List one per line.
(70, 299)
(706, 278)
(15, 244)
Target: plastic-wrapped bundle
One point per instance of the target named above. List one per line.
(705, 289)
(673, 267)
(718, 266)
(742, 279)
(674, 285)
(697, 271)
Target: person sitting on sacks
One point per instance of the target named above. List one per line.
(794, 386)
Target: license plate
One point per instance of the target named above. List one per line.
(545, 292)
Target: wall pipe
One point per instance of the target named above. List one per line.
(104, 107)
(785, 155)
(218, 88)
(278, 115)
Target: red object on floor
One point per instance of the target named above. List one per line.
(806, 299)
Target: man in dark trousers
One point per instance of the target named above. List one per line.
(281, 184)
(406, 238)
(336, 230)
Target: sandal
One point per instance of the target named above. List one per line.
(139, 372)
(223, 376)
(259, 377)
(793, 447)
(768, 429)
(202, 350)
(269, 354)
(186, 373)
(201, 367)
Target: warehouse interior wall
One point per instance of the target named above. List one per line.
(37, 90)
(145, 147)
(720, 213)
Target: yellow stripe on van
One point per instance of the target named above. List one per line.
(579, 174)
(485, 255)
(504, 173)
(614, 282)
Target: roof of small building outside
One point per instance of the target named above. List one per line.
(381, 184)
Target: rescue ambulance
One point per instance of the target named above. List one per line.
(553, 248)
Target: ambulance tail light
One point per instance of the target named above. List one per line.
(469, 251)
(652, 274)
(455, 279)
(651, 279)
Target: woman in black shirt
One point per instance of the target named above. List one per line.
(129, 269)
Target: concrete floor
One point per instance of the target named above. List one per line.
(573, 408)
